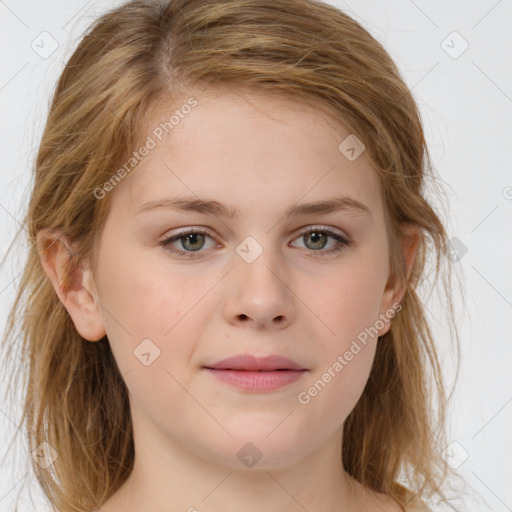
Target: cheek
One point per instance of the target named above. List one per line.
(348, 306)
(164, 316)
(346, 348)
(347, 300)
(149, 297)
(334, 390)
(152, 315)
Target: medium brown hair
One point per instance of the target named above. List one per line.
(132, 59)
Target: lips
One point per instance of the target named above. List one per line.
(246, 362)
(257, 374)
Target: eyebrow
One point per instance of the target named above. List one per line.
(209, 206)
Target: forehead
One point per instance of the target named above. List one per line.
(247, 149)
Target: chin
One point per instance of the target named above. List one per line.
(255, 449)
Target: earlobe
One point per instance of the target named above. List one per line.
(72, 282)
(394, 292)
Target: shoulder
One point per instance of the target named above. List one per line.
(387, 504)
(418, 506)
(372, 501)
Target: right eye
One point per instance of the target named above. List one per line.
(191, 240)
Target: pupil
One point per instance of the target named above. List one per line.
(193, 238)
(314, 236)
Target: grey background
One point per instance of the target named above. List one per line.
(466, 106)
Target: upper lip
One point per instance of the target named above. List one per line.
(253, 363)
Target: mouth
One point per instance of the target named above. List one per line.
(256, 374)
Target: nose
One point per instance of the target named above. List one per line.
(259, 294)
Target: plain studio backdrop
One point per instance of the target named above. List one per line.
(457, 59)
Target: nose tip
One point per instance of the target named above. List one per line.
(259, 296)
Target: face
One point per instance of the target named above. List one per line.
(256, 282)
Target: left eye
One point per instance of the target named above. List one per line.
(194, 240)
(319, 236)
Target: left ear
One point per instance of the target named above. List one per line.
(411, 235)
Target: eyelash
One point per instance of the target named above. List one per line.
(342, 242)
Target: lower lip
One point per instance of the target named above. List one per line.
(257, 380)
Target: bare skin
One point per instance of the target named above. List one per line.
(296, 299)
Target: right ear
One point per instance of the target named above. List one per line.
(73, 285)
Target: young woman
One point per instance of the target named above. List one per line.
(228, 229)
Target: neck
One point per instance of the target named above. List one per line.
(175, 479)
